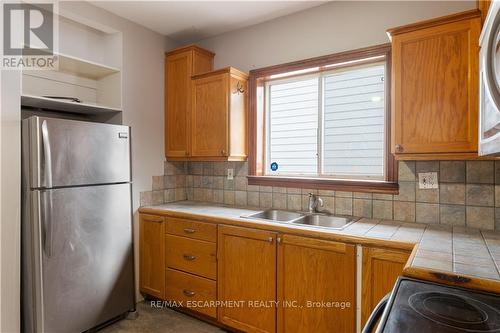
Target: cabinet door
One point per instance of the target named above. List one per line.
(381, 268)
(247, 273)
(191, 290)
(312, 273)
(202, 62)
(210, 116)
(435, 89)
(152, 255)
(178, 71)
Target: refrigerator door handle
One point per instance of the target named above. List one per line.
(47, 161)
(46, 221)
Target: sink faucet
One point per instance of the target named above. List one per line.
(314, 201)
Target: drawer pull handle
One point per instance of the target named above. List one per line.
(189, 231)
(188, 293)
(189, 257)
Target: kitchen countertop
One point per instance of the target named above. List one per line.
(453, 255)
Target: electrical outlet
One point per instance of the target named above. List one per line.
(427, 180)
(230, 174)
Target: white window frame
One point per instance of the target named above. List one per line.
(321, 75)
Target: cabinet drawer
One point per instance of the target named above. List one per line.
(191, 255)
(192, 229)
(185, 288)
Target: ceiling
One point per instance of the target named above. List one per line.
(190, 21)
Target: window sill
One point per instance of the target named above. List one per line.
(372, 186)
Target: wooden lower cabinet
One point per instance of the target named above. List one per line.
(193, 292)
(264, 281)
(247, 272)
(381, 268)
(192, 256)
(316, 285)
(152, 255)
(192, 229)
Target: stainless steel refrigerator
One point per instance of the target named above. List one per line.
(77, 252)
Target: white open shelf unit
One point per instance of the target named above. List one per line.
(97, 86)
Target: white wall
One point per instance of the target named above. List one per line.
(334, 27)
(143, 84)
(10, 197)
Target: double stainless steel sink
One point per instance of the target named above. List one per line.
(321, 220)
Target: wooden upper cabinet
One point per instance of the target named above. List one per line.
(152, 255)
(313, 270)
(218, 119)
(247, 273)
(180, 65)
(380, 269)
(435, 87)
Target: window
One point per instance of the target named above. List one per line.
(329, 124)
(323, 123)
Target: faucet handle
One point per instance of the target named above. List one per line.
(320, 201)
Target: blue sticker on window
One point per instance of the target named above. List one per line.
(274, 166)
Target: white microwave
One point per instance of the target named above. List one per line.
(489, 83)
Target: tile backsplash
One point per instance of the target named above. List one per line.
(467, 192)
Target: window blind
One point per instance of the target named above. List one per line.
(293, 127)
(328, 124)
(354, 122)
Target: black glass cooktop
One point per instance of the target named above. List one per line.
(426, 307)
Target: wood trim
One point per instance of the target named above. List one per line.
(453, 279)
(315, 243)
(256, 129)
(226, 70)
(444, 157)
(366, 52)
(210, 159)
(190, 47)
(391, 167)
(252, 125)
(434, 22)
(326, 184)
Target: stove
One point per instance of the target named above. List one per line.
(420, 306)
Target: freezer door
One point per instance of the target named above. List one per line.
(87, 256)
(67, 152)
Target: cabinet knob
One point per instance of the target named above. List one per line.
(188, 293)
(223, 152)
(278, 240)
(189, 231)
(270, 240)
(189, 257)
(399, 148)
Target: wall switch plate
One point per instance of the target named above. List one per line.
(427, 180)
(230, 174)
